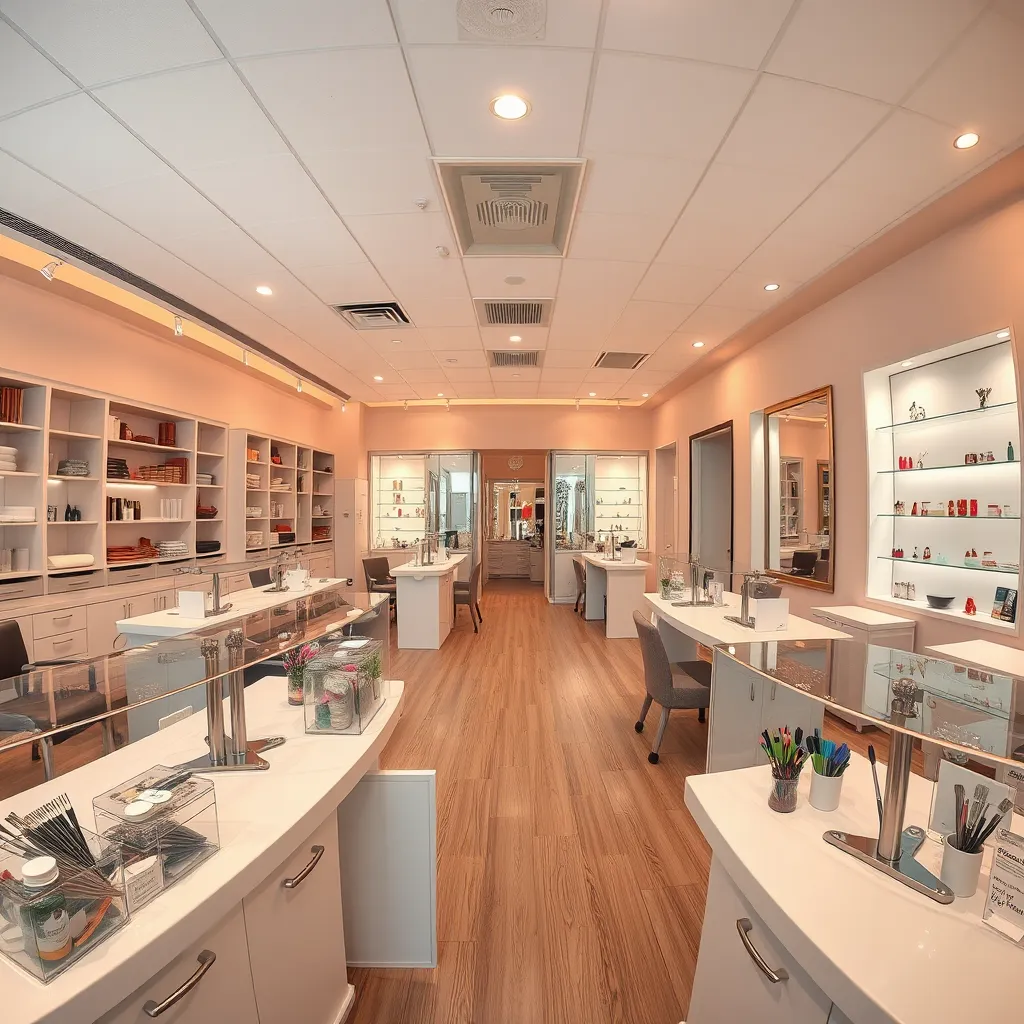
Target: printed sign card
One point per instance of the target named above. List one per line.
(1004, 908)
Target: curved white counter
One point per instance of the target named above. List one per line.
(880, 952)
(264, 817)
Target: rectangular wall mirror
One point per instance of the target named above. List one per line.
(799, 472)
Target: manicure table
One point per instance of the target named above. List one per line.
(426, 598)
(619, 583)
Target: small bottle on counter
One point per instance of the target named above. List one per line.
(46, 920)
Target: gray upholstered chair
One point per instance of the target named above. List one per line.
(581, 585)
(683, 684)
(260, 578)
(379, 579)
(466, 593)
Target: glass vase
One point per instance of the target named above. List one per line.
(782, 797)
(295, 682)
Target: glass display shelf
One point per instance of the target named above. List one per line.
(943, 679)
(949, 565)
(960, 414)
(935, 515)
(955, 465)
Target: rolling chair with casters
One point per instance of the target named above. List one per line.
(379, 579)
(581, 585)
(672, 685)
(803, 563)
(466, 593)
(260, 578)
(70, 707)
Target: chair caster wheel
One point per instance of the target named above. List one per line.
(653, 758)
(639, 726)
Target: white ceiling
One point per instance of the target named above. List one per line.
(213, 145)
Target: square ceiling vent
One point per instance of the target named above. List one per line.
(512, 358)
(513, 312)
(620, 360)
(511, 208)
(373, 316)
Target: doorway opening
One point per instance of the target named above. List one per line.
(711, 499)
(666, 508)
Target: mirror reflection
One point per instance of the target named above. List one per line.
(799, 462)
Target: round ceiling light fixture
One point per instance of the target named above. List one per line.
(440, 394)
(907, 362)
(515, 337)
(966, 141)
(772, 287)
(509, 107)
(515, 279)
(264, 289)
(378, 379)
(646, 394)
(593, 394)
(1003, 335)
(698, 344)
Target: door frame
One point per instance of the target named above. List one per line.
(655, 541)
(717, 429)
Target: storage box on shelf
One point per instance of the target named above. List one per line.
(945, 484)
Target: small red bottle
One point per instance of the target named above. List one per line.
(974, 506)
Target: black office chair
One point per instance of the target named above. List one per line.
(379, 579)
(260, 578)
(803, 563)
(467, 594)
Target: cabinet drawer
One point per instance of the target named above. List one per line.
(52, 623)
(222, 993)
(21, 589)
(142, 572)
(69, 584)
(64, 645)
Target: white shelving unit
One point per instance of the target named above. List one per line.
(620, 498)
(791, 497)
(953, 429)
(398, 502)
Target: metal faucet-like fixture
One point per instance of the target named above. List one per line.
(752, 582)
(699, 578)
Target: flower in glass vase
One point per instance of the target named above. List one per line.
(295, 662)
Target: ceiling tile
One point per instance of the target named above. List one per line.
(674, 356)
(389, 182)
(460, 359)
(579, 323)
(736, 32)
(28, 77)
(75, 142)
(403, 359)
(606, 282)
(345, 283)
(744, 290)
(609, 236)
(712, 324)
(195, 116)
(309, 95)
(437, 389)
(794, 252)
(440, 312)
(476, 389)
(398, 238)
(1011, 9)
(651, 318)
(515, 389)
(393, 392)
(486, 276)
(425, 375)
(639, 185)
(474, 375)
(648, 379)
(308, 242)
(570, 359)
(873, 47)
(455, 85)
(451, 338)
(384, 341)
(114, 39)
(498, 337)
(432, 276)
(556, 390)
(602, 376)
(979, 85)
(632, 93)
(557, 375)
(267, 26)
(666, 282)
(523, 373)
(569, 22)
(801, 130)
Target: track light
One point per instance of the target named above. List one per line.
(245, 357)
(577, 405)
(50, 269)
(447, 405)
(298, 385)
(179, 329)
(405, 405)
(343, 406)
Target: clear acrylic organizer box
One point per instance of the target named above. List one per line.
(343, 686)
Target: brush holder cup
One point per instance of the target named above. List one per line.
(960, 871)
(782, 796)
(825, 791)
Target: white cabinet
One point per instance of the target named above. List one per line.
(64, 645)
(321, 565)
(102, 625)
(296, 939)
(446, 605)
(536, 565)
(215, 974)
(65, 620)
(743, 972)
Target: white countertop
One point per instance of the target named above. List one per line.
(243, 602)
(863, 616)
(709, 626)
(881, 951)
(263, 817)
(984, 654)
(437, 569)
(594, 558)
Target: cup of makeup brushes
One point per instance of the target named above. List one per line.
(782, 797)
(960, 871)
(825, 791)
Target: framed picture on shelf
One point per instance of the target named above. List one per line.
(1004, 607)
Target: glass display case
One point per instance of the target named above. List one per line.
(343, 686)
(944, 484)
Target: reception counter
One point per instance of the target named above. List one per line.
(426, 598)
(268, 905)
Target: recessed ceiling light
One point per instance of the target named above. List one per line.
(1003, 335)
(645, 395)
(515, 374)
(907, 362)
(966, 141)
(440, 394)
(773, 287)
(509, 107)
(593, 394)
(698, 344)
(515, 279)
(378, 378)
(515, 337)
(264, 289)
(451, 360)
(396, 341)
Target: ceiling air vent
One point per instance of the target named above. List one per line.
(511, 208)
(513, 312)
(373, 316)
(502, 21)
(620, 360)
(506, 359)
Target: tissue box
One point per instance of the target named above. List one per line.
(770, 614)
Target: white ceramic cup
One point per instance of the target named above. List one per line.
(960, 871)
(825, 791)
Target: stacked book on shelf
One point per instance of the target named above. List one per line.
(172, 548)
(117, 469)
(11, 404)
(140, 552)
(73, 467)
(173, 471)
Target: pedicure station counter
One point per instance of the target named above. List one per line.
(316, 859)
(845, 916)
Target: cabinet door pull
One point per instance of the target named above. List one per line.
(61, 618)
(58, 643)
(206, 959)
(743, 926)
(293, 883)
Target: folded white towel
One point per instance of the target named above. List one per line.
(70, 561)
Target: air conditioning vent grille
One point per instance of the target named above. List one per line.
(620, 360)
(373, 316)
(514, 312)
(501, 359)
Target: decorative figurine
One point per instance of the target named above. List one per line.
(974, 506)
(927, 554)
(1009, 451)
(983, 394)
(913, 511)
(961, 506)
(911, 592)
(916, 412)
(899, 509)
(920, 459)
(914, 555)
(952, 508)
(970, 459)
(970, 608)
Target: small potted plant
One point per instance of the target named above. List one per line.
(664, 583)
(295, 662)
(627, 551)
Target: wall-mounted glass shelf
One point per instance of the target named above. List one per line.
(961, 414)
(955, 465)
(962, 519)
(906, 560)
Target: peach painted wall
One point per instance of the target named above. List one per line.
(53, 337)
(966, 283)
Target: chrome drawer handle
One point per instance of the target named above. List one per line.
(293, 883)
(206, 959)
(61, 618)
(743, 926)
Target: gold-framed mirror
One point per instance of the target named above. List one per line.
(799, 490)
